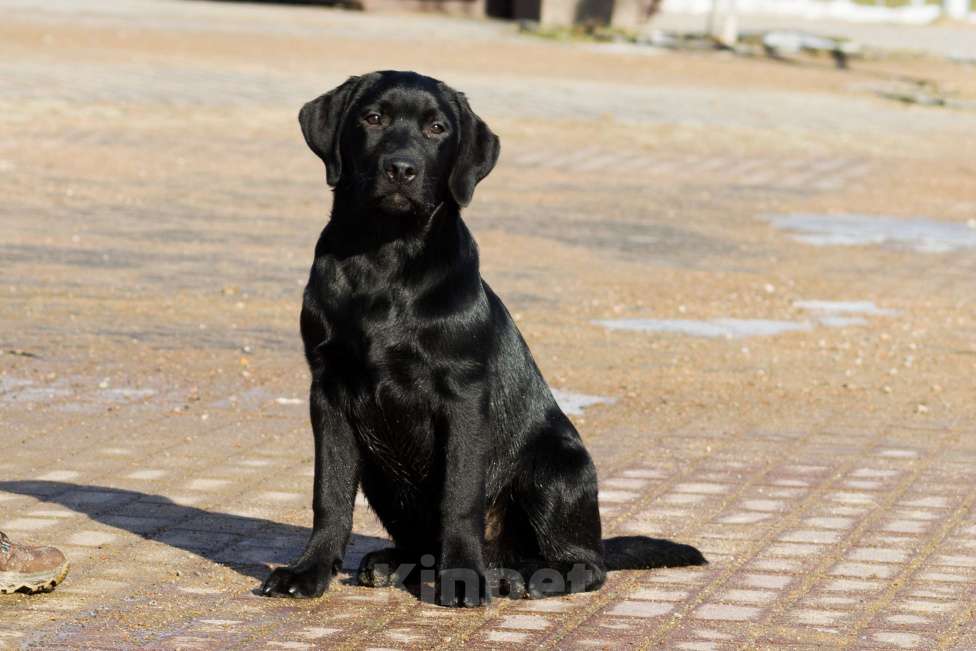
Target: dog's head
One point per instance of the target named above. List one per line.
(400, 142)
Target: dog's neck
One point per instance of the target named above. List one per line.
(356, 229)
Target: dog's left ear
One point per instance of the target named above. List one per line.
(478, 150)
(322, 120)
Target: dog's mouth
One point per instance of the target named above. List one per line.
(397, 201)
(400, 204)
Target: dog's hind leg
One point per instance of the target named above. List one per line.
(558, 495)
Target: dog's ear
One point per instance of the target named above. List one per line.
(322, 120)
(478, 150)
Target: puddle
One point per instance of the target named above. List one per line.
(830, 314)
(247, 399)
(573, 404)
(71, 394)
(12, 384)
(728, 328)
(844, 307)
(841, 321)
(837, 314)
(13, 390)
(126, 395)
(38, 394)
(918, 234)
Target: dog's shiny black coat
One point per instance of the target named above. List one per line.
(423, 391)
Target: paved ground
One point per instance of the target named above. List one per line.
(159, 211)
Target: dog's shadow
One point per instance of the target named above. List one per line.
(245, 544)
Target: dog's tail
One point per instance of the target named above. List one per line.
(643, 553)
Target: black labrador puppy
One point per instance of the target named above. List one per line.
(423, 390)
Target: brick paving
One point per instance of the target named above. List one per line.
(158, 219)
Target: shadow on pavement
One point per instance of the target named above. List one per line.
(242, 543)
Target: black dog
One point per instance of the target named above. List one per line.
(423, 390)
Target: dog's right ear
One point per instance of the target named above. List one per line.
(322, 120)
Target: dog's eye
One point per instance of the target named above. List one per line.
(437, 127)
(373, 119)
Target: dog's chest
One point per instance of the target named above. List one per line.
(379, 372)
(394, 415)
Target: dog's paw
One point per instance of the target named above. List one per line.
(297, 582)
(386, 567)
(461, 588)
(377, 569)
(511, 585)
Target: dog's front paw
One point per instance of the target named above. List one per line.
(461, 588)
(297, 582)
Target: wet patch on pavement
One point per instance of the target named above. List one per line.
(918, 234)
(573, 404)
(831, 314)
(728, 328)
(844, 307)
(76, 394)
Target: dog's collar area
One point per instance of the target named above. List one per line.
(436, 210)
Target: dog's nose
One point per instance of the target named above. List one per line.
(400, 170)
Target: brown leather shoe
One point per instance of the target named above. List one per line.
(29, 569)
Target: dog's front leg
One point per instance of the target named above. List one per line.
(334, 493)
(461, 579)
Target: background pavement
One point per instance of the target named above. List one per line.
(158, 218)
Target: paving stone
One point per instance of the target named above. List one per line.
(727, 612)
(60, 475)
(147, 474)
(506, 636)
(771, 581)
(617, 496)
(790, 549)
(699, 646)
(705, 488)
(852, 585)
(644, 473)
(919, 606)
(764, 505)
(777, 565)
(641, 609)
(745, 518)
(878, 555)
(818, 617)
(907, 620)
(683, 498)
(830, 523)
(943, 576)
(811, 536)
(883, 473)
(928, 502)
(659, 594)
(900, 640)
(956, 561)
(28, 524)
(530, 622)
(91, 538)
(749, 596)
(906, 526)
(207, 484)
(863, 570)
(625, 483)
